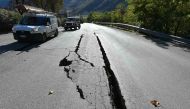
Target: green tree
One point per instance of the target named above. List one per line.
(169, 16)
(118, 13)
(130, 17)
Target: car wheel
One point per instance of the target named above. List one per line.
(20, 40)
(66, 29)
(44, 37)
(56, 33)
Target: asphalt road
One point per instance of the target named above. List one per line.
(74, 71)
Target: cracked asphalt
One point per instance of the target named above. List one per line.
(96, 67)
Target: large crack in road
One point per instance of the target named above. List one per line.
(72, 65)
(66, 63)
(116, 96)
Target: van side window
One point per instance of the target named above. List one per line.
(53, 20)
(48, 21)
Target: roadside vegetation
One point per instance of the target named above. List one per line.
(8, 19)
(171, 16)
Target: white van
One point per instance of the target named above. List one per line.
(36, 27)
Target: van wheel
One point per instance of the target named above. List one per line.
(56, 33)
(44, 37)
(20, 41)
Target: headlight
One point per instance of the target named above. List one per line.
(35, 29)
(13, 29)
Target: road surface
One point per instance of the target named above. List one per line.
(96, 67)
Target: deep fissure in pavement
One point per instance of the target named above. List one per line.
(85, 60)
(76, 51)
(65, 61)
(78, 45)
(118, 101)
(67, 68)
(80, 92)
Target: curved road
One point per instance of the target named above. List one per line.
(146, 68)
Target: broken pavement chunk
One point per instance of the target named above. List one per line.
(67, 69)
(50, 92)
(65, 62)
(155, 103)
(80, 92)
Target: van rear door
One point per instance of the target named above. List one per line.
(48, 27)
(54, 23)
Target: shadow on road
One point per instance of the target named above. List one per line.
(4, 32)
(28, 47)
(163, 43)
(20, 46)
(17, 46)
(166, 42)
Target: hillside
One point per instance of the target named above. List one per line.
(80, 6)
(4, 3)
(9, 4)
(87, 6)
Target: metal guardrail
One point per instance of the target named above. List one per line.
(147, 32)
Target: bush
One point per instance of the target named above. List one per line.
(8, 19)
(171, 16)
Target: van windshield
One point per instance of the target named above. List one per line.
(72, 19)
(34, 21)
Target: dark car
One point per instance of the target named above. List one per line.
(72, 23)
